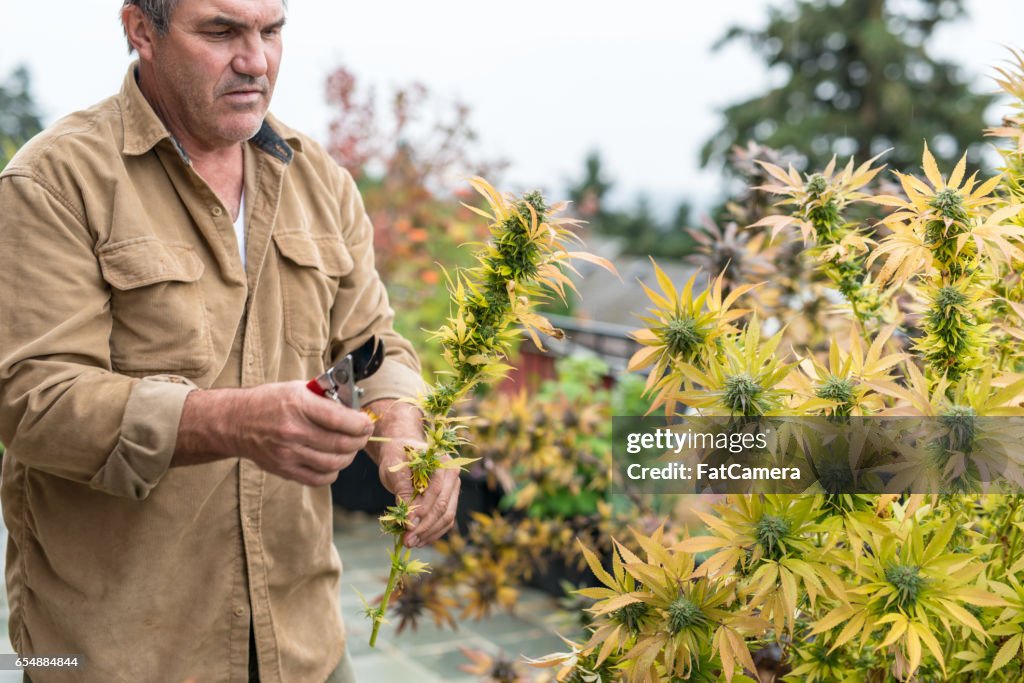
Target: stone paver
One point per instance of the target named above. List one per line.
(363, 551)
(428, 655)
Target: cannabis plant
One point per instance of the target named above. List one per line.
(524, 262)
(819, 201)
(839, 584)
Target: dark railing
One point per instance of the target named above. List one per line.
(609, 341)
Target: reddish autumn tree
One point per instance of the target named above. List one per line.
(411, 153)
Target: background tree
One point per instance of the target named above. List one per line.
(19, 116)
(641, 232)
(588, 195)
(858, 80)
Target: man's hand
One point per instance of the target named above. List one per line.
(433, 510)
(284, 428)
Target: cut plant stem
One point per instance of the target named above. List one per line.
(386, 598)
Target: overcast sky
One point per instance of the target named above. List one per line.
(547, 81)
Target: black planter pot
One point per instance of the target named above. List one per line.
(476, 495)
(550, 578)
(358, 487)
(557, 570)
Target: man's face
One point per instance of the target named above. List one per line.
(216, 67)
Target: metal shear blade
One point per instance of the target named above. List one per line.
(339, 381)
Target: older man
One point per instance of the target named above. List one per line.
(174, 262)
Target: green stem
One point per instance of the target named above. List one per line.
(1009, 517)
(856, 313)
(1011, 557)
(1006, 529)
(378, 618)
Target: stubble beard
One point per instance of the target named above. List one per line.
(257, 109)
(212, 119)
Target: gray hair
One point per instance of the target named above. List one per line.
(158, 12)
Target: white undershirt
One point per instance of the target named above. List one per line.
(240, 227)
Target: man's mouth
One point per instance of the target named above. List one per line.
(244, 95)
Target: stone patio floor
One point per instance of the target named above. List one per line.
(428, 655)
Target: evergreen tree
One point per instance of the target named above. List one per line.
(19, 117)
(858, 80)
(640, 231)
(588, 194)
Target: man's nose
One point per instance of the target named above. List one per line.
(251, 59)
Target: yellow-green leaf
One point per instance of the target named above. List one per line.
(913, 650)
(1006, 653)
(699, 544)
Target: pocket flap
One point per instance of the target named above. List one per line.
(327, 253)
(147, 260)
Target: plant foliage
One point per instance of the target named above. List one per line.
(923, 320)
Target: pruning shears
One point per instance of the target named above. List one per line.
(339, 381)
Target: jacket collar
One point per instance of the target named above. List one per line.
(143, 129)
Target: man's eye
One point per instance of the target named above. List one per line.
(218, 34)
(272, 33)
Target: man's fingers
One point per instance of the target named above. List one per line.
(445, 515)
(290, 431)
(437, 514)
(312, 477)
(334, 417)
(426, 503)
(399, 482)
(326, 442)
(310, 460)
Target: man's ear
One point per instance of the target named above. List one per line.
(139, 31)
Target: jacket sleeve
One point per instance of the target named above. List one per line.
(362, 308)
(62, 409)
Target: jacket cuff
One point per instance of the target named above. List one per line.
(392, 380)
(149, 434)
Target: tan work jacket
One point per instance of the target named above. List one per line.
(122, 289)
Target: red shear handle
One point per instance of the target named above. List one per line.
(315, 387)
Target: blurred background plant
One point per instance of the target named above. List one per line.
(548, 455)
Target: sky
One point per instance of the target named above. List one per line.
(546, 81)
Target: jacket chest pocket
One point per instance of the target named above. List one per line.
(160, 322)
(310, 270)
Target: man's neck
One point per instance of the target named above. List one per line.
(221, 166)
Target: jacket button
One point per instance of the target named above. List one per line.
(239, 611)
(216, 211)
